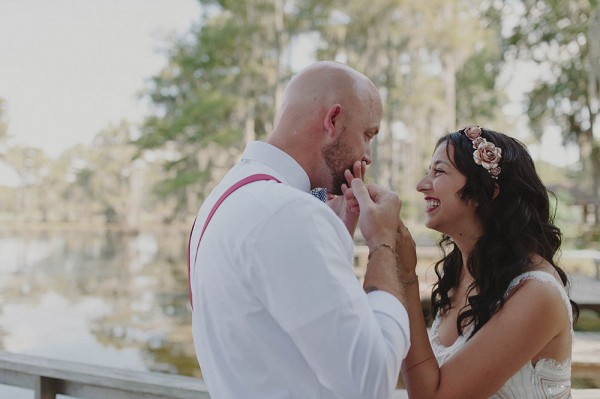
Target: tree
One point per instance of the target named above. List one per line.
(433, 62)
(30, 165)
(562, 38)
(113, 178)
(218, 91)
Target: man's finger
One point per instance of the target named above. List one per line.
(349, 176)
(360, 192)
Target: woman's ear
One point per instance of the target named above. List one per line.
(496, 190)
(331, 119)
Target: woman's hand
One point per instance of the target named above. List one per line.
(407, 252)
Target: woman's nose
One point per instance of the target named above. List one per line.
(424, 184)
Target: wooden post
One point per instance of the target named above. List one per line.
(45, 388)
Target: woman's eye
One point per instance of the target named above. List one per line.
(437, 171)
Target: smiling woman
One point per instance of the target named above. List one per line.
(71, 67)
(502, 312)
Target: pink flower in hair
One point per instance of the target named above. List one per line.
(486, 154)
(495, 172)
(472, 132)
(479, 140)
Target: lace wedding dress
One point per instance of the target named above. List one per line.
(547, 379)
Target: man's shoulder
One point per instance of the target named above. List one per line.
(275, 195)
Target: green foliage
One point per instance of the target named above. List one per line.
(588, 321)
(559, 36)
(169, 186)
(477, 97)
(218, 88)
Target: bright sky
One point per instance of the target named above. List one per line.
(69, 68)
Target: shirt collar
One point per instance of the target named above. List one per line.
(278, 160)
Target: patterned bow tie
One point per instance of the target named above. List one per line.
(320, 193)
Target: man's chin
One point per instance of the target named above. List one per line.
(337, 191)
(336, 188)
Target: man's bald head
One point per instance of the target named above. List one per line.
(329, 114)
(324, 83)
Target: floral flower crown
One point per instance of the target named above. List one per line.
(486, 154)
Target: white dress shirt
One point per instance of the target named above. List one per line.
(277, 310)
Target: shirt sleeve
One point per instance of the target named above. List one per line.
(301, 269)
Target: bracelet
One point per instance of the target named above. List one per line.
(382, 245)
(417, 364)
(413, 280)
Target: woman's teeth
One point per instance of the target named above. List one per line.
(432, 204)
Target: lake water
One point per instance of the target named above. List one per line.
(97, 297)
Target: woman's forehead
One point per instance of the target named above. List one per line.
(442, 152)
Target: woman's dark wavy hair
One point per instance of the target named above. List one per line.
(517, 223)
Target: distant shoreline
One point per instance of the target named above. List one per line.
(37, 226)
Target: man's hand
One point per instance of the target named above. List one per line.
(379, 221)
(379, 212)
(346, 205)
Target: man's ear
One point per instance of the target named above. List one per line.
(496, 190)
(331, 119)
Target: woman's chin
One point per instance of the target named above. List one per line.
(432, 226)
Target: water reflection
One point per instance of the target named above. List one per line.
(97, 297)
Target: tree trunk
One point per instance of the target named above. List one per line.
(449, 76)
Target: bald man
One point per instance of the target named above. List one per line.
(277, 310)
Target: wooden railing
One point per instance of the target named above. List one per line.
(50, 377)
(588, 254)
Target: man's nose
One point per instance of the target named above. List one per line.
(367, 156)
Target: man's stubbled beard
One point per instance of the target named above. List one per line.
(336, 157)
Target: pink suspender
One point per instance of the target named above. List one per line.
(243, 182)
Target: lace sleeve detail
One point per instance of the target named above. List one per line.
(544, 278)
